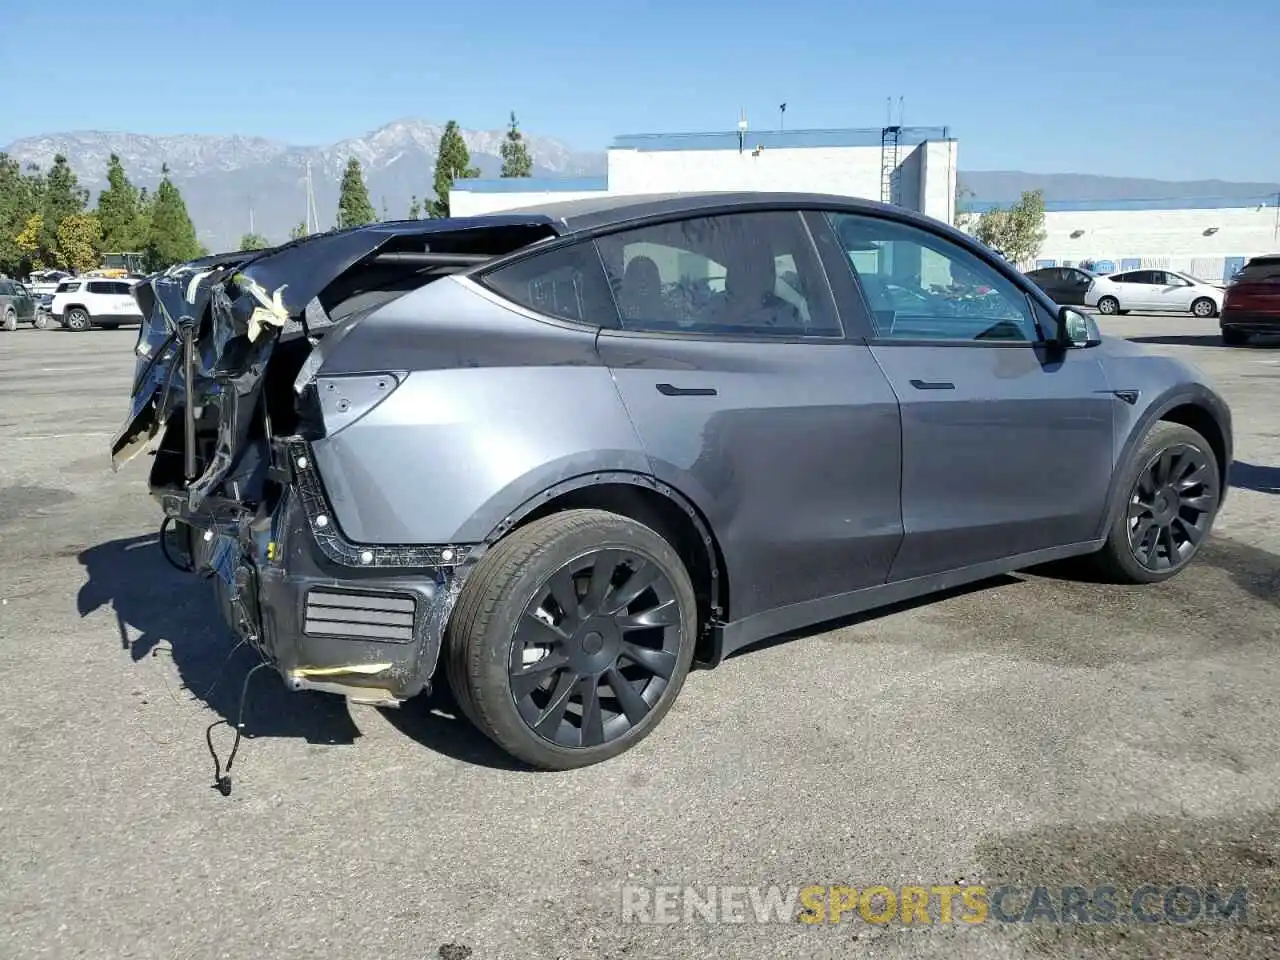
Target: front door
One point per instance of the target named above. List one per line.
(1172, 292)
(1006, 446)
(733, 365)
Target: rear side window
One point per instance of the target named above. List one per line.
(564, 282)
(6, 289)
(121, 289)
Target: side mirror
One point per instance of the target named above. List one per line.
(1077, 330)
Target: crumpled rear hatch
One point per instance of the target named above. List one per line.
(211, 327)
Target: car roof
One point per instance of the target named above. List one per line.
(607, 210)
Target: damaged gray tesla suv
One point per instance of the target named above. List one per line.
(558, 456)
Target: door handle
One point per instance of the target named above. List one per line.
(933, 384)
(671, 390)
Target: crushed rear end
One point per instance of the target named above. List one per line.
(230, 393)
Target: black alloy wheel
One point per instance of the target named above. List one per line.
(1171, 507)
(596, 648)
(572, 637)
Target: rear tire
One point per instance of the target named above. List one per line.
(41, 321)
(1204, 308)
(541, 625)
(1109, 305)
(1172, 490)
(77, 320)
(1234, 338)
(10, 321)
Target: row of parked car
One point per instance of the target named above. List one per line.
(76, 303)
(1248, 305)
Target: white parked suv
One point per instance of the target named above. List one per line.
(1152, 290)
(85, 302)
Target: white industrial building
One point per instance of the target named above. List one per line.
(1209, 238)
(911, 166)
(914, 167)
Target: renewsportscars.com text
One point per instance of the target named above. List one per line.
(938, 904)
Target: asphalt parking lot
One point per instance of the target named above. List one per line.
(1030, 731)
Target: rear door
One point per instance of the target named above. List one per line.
(1006, 443)
(749, 398)
(1075, 285)
(1143, 289)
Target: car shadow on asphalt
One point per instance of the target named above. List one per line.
(1252, 476)
(1204, 340)
(162, 611)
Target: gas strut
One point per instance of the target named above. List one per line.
(187, 325)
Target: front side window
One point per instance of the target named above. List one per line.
(732, 275)
(565, 282)
(920, 286)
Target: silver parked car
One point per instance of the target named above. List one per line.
(1156, 290)
(559, 455)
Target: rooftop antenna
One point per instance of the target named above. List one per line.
(742, 129)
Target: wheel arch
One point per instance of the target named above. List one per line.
(1196, 408)
(647, 500)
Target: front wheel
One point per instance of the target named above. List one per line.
(1173, 491)
(1204, 307)
(10, 320)
(1108, 305)
(41, 321)
(77, 320)
(572, 638)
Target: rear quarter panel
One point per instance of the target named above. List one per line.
(498, 406)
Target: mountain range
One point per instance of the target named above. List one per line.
(233, 182)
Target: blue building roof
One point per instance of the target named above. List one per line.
(728, 139)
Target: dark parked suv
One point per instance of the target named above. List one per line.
(1252, 303)
(558, 455)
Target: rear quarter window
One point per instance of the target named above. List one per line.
(1256, 270)
(567, 282)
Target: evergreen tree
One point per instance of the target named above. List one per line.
(62, 196)
(171, 235)
(118, 210)
(19, 201)
(415, 208)
(354, 207)
(453, 162)
(516, 161)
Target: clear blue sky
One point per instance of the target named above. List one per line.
(1156, 88)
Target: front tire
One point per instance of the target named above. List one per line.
(77, 320)
(1109, 305)
(10, 320)
(1204, 308)
(1172, 494)
(572, 638)
(41, 321)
